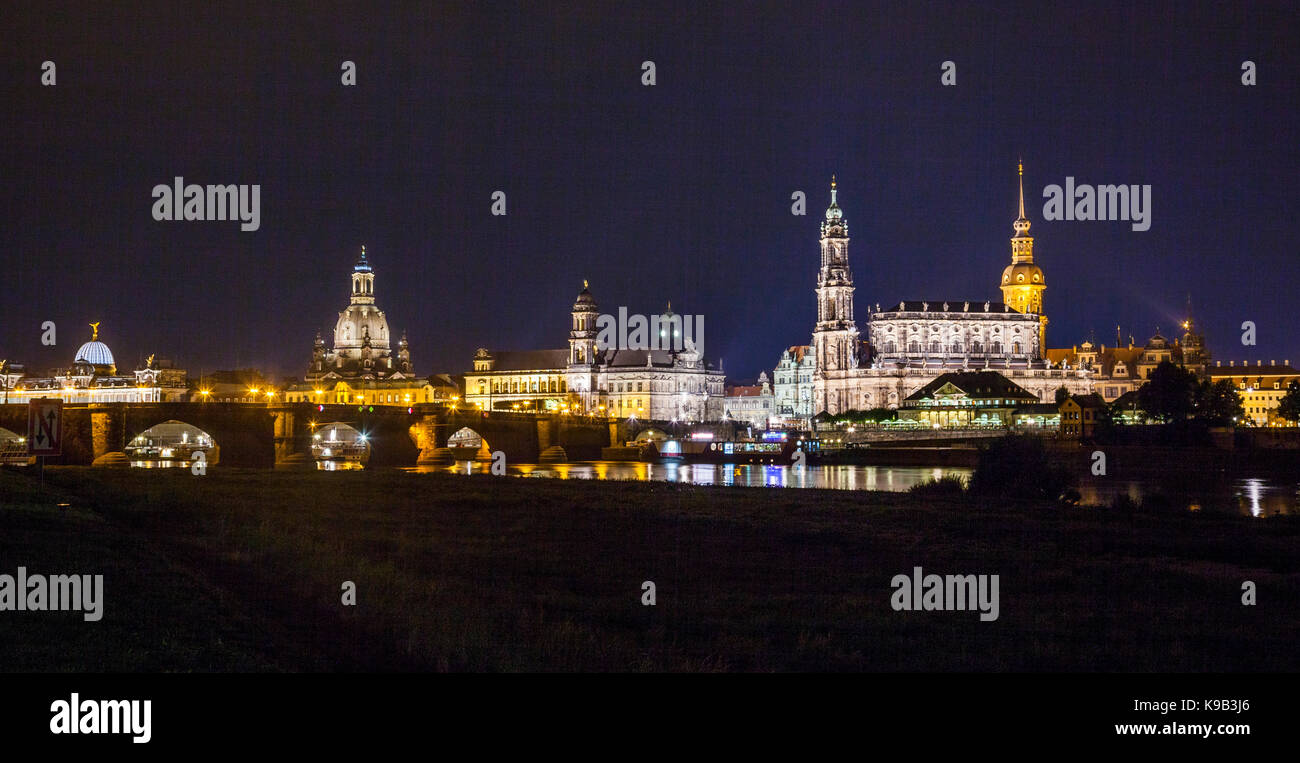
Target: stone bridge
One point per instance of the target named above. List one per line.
(256, 435)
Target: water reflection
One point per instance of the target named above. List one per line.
(1250, 496)
(839, 477)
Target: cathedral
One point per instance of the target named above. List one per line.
(910, 343)
(361, 367)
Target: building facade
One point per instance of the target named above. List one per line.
(753, 405)
(910, 345)
(588, 379)
(1119, 370)
(93, 378)
(1261, 387)
(793, 385)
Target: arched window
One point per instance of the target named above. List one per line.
(935, 348)
(913, 347)
(996, 349)
(976, 347)
(1015, 348)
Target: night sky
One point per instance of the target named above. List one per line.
(680, 191)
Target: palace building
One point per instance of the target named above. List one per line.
(585, 378)
(93, 378)
(910, 343)
(361, 366)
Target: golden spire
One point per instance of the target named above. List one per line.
(584, 283)
(94, 330)
(1022, 188)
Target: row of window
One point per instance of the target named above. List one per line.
(994, 348)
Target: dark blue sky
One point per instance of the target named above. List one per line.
(677, 192)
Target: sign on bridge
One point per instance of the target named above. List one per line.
(45, 427)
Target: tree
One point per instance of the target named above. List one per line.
(1289, 406)
(1170, 393)
(1062, 394)
(1219, 403)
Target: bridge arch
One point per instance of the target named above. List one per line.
(171, 444)
(339, 444)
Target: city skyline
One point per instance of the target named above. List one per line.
(686, 200)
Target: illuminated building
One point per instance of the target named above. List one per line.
(753, 405)
(654, 384)
(966, 399)
(1119, 370)
(1080, 414)
(361, 367)
(909, 345)
(1261, 387)
(793, 385)
(93, 378)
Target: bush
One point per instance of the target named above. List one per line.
(1016, 467)
(950, 486)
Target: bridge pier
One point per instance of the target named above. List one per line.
(107, 437)
(292, 441)
(548, 446)
(431, 439)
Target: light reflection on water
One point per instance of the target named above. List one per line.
(838, 477)
(1251, 496)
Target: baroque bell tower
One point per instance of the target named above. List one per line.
(1023, 282)
(836, 335)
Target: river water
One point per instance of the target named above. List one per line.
(1247, 495)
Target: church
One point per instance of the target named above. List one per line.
(910, 343)
(361, 366)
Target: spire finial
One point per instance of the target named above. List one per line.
(94, 330)
(1022, 188)
(584, 283)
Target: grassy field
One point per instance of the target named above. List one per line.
(242, 571)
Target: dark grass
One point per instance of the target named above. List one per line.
(241, 570)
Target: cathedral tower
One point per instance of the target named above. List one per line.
(836, 335)
(1023, 282)
(582, 334)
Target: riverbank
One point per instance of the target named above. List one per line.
(245, 570)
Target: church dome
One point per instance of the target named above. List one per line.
(356, 323)
(95, 353)
(585, 301)
(1021, 273)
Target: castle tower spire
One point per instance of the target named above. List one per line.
(1023, 282)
